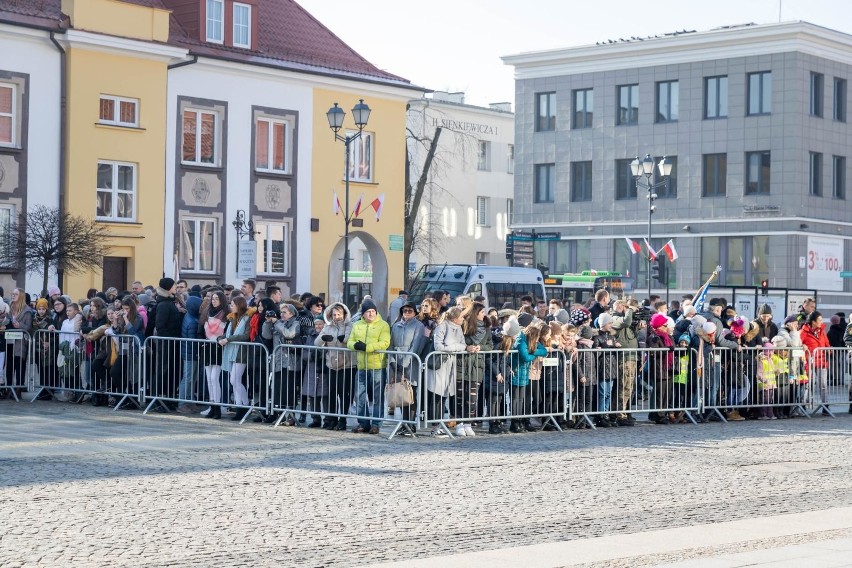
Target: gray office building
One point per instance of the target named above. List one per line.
(754, 120)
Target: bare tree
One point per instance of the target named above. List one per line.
(43, 238)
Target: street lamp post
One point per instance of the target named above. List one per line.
(335, 115)
(645, 168)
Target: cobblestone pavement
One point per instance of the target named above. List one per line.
(84, 486)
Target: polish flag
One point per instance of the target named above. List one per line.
(651, 252)
(357, 210)
(336, 204)
(634, 246)
(377, 204)
(670, 251)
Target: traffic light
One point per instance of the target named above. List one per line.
(656, 271)
(510, 247)
(764, 287)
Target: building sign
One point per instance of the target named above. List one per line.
(246, 259)
(824, 263)
(464, 126)
(395, 242)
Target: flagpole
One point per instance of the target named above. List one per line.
(706, 284)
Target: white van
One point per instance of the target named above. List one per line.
(498, 284)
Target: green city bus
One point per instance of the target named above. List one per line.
(579, 288)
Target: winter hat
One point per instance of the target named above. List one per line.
(54, 291)
(708, 327)
(670, 322)
(764, 309)
(368, 304)
(144, 299)
(841, 315)
(512, 328)
(738, 325)
(658, 320)
(319, 318)
(562, 316)
(689, 311)
(506, 312)
(407, 305)
(604, 319)
(791, 319)
(579, 316)
(684, 337)
(167, 283)
(524, 319)
(698, 321)
(767, 345)
(42, 303)
(779, 342)
(835, 319)
(193, 305)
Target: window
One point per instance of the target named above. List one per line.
(668, 189)
(716, 97)
(815, 174)
(816, 94)
(584, 107)
(667, 101)
(838, 177)
(215, 20)
(628, 104)
(8, 124)
(510, 167)
(200, 137)
(581, 181)
(625, 185)
(481, 258)
(757, 173)
(729, 252)
(510, 210)
(119, 111)
(361, 157)
(242, 25)
(366, 261)
(272, 249)
(482, 211)
(271, 145)
(7, 216)
(483, 157)
(545, 110)
(714, 175)
(198, 244)
(840, 99)
(116, 191)
(760, 93)
(544, 183)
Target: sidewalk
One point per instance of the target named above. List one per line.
(797, 539)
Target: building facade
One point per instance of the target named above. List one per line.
(466, 207)
(754, 119)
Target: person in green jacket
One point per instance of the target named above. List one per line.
(370, 336)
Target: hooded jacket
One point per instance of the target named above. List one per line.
(189, 329)
(410, 337)
(376, 335)
(168, 317)
(336, 358)
(816, 341)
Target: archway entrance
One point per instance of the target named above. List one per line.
(368, 272)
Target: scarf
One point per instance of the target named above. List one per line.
(668, 342)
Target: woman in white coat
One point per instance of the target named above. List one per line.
(448, 337)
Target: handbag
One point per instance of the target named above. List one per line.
(399, 394)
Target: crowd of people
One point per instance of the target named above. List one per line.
(508, 369)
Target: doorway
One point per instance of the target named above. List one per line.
(115, 273)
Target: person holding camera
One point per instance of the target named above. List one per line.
(626, 336)
(340, 363)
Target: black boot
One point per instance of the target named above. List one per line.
(215, 412)
(240, 413)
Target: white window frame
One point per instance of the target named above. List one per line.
(116, 114)
(5, 257)
(270, 145)
(481, 213)
(195, 248)
(115, 218)
(482, 256)
(13, 139)
(264, 258)
(208, 21)
(217, 134)
(247, 7)
(356, 151)
(510, 157)
(483, 156)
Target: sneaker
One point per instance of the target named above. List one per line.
(206, 412)
(735, 416)
(468, 430)
(439, 433)
(460, 430)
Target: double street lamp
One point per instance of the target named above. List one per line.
(335, 115)
(645, 168)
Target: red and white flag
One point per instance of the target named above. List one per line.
(357, 210)
(377, 204)
(651, 252)
(670, 251)
(634, 246)
(335, 205)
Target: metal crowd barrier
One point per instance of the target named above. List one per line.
(197, 371)
(463, 389)
(13, 362)
(324, 384)
(612, 385)
(831, 378)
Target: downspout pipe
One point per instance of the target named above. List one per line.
(63, 134)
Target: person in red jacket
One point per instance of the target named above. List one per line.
(815, 340)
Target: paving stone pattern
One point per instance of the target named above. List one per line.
(85, 486)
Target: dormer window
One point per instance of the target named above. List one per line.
(242, 25)
(216, 21)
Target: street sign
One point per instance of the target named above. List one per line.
(246, 259)
(554, 236)
(395, 242)
(846, 274)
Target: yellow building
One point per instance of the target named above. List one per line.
(116, 80)
(377, 168)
